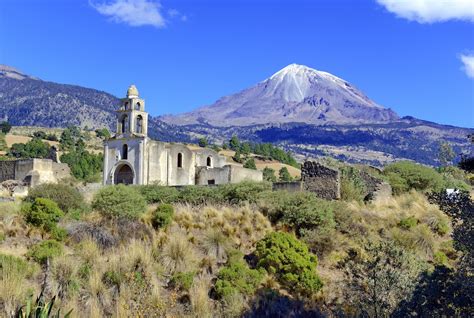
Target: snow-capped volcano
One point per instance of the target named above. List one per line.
(296, 93)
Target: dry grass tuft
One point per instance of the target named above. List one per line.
(200, 303)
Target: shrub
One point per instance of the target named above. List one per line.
(244, 191)
(269, 175)
(162, 216)
(284, 256)
(414, 175)
(66, 196)
(196, 195)
(12, 266)
(440, 258)
(237, 277)
(119, 201)
(182, 280)
(399, 185)
(353, 187)
(43, 213)
(45, 250)
(300, 210)
(408, 223)
(158, 194)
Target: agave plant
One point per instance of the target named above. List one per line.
(39, 309)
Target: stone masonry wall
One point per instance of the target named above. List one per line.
(321, 180)
(7, 170)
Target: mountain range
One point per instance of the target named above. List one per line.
(309, 112)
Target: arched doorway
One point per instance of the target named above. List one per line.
(124, 175)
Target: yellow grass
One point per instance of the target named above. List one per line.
(275, 165)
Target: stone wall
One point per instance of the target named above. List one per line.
(325, 182)
(376, 189)
(7, 170)
(294, 186)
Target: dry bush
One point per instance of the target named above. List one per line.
(64, 271)
(99, 234)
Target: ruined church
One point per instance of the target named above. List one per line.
(131, 157)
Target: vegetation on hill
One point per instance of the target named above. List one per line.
(266, 150)
(84, 164)
(242, 249)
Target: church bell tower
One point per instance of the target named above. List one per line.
(132, 120)
(124, 153)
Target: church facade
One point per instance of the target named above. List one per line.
(131, 157)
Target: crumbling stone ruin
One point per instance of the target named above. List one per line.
(325, 182)
(322, 180)
(17, 175)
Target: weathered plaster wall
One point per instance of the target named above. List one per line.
(156, 165)
(218, 175)
(203, 154)
(184, 175)
(322, 180)
(239, 174)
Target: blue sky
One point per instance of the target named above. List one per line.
(414, 56)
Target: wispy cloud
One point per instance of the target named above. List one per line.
(430, 11)
(468, 64)
(136, 12)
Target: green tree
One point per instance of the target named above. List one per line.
(245, 148)
(70, 138)
(237, 157)
(5, 127)
(234, 143)
(103, 133)
(284, 174)
(35, 148)
(84, 165)
(289, 259)
(203, 142)
(269, 174)
(445, 154)
(250, 164)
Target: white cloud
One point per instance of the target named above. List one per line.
(175, 14)
(468, 67)
(430, 11)
(132, 12)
